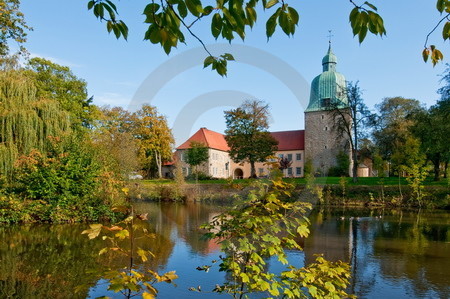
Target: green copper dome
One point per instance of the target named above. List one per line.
(329, 87)
(329, 58)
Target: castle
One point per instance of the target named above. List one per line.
(319, 142)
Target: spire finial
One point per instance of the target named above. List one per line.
(329, 37)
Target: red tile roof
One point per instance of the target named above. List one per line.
(287, 140)
(290, 140)
(210, 138)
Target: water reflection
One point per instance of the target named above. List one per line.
(43, 261)
(406, 254)
(393, 253)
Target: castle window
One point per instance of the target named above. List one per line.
(325, 147)
(322, 116)
(289, 171)
(261, 171)
(298, 170)
(299, 157)
(289, 157)
(326, 128)
(326, 103)
(280, 156)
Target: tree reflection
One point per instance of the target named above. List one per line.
(46, 261)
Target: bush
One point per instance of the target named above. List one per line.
(201, 177)
(66, 184)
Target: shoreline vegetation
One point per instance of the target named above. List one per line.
(327, 191)
(340, 191)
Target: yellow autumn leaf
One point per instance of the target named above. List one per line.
(146, 295)
(94, 231)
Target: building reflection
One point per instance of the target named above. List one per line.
(407, 250)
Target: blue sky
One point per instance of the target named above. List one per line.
(128, 73)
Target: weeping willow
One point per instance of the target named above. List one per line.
(26, 121)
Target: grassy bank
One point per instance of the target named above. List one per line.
(334, 191)
(372, 181)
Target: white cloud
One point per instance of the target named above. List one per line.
(112, 99)
(57, 60)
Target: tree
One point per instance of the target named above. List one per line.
(155, 138)
(114, 141)
(342, 165)
(392, 127)
(414, 167)
(196, 154)
(263, 226)
(13, 26)
(247, 134)
(433, 129)
(351, 120)
(57, 82)
(285, 163)
(26, 120)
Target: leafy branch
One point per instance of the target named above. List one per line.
(364, 18)
(132, 280)
(431, 51)
(264, 225)
(230, 18)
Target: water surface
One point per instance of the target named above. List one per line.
(394, 254)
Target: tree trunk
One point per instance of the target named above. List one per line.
(355, 151)
(437, 170)
(355, 167)
(252, 169)
(445, 169)
(158, 163)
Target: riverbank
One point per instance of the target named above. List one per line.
(330, 191)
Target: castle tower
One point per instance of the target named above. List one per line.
(322, 144)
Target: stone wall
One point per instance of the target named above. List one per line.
(321, 141)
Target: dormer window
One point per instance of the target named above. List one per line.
(325, 102)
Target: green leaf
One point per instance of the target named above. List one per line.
(151, 9)
(251, 15)
(228, 56)
(271, 3)
(370, 5)
(446, 31)
(440, 5)
(216, 25)
(195, 7)
(123, 29)
(207, 10)
(112, 5)
(109, 26)
(303, 230)
(362, 34)
(90, 4)
(112, 15)
(271, 24)
(208, 61)
(293, 15)
(103, 251)
(116, 30)
(182, 9)
(284, 22)
(116, 287)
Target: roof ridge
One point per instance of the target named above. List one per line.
(205, 136)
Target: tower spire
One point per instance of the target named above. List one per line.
(329, 38)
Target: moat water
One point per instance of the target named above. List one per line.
(393, 253)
